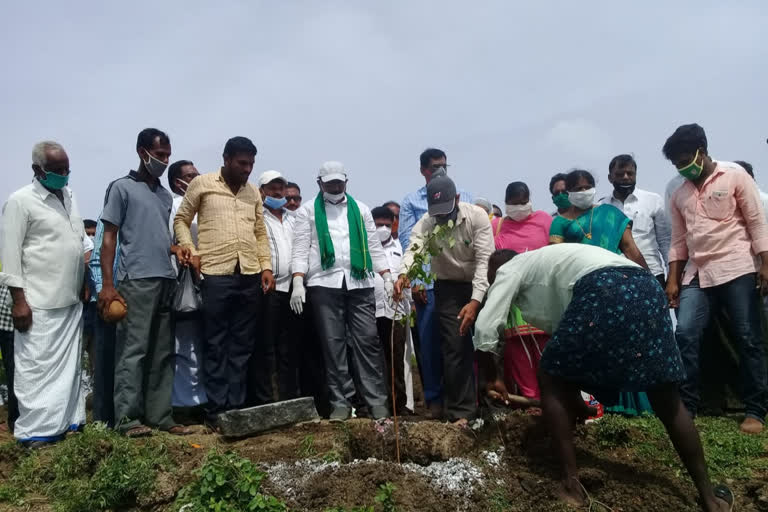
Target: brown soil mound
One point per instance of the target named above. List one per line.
(505, 466)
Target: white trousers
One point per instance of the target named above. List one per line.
(47, 375)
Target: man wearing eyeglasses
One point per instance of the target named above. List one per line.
(413, 208)
(292, 196)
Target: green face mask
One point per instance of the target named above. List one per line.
(54, 181)
(692, 171)
(561, 200)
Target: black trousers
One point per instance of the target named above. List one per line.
(312, 377)
(460, 397)
(6, 349)
(231, 311)
(103, 352)
(386, 326)
(276, 351)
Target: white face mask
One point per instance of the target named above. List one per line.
(583, 199)
(519, 212)
(384, 233)
(334, 198)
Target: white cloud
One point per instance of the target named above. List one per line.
(511, 91)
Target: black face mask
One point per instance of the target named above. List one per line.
(443, 219)
(624, 189)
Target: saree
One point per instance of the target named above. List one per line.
(602, 226)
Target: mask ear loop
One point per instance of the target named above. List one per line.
(530, 361)
(536, 344)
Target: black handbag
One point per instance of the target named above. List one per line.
(187, 299)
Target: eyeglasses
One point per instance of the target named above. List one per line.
(296, 199)
(435, 167)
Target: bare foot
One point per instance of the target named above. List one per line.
(572, 493)
(751, 426)
(461, 423)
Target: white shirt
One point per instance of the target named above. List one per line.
(540, 283)
(177, 199)
(43, 247)
(280, 236)
(306, 251)
(394, 253)
(650, 226)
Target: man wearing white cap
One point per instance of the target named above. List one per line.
(277, 347)
(336, 250)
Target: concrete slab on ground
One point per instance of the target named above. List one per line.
(246, 422)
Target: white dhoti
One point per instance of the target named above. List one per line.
(47, 375)
(188, 388)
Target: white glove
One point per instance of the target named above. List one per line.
(389, 286)
(299, 295)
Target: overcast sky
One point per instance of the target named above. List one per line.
(510, 90)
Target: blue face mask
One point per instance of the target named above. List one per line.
(54, 181)
(274, 203)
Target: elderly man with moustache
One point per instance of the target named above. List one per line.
(43, 247)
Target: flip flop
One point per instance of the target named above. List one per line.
(724, 493)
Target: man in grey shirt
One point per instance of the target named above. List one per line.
(137, 208)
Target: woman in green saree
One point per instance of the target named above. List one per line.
(604, 226)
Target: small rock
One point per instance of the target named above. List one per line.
(245, 422)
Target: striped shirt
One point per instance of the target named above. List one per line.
(280, 235)
(231, 226)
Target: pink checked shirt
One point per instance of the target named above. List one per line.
(718, 229)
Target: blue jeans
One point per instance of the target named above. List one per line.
(741, 301)
(430, 348)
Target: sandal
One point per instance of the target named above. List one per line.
(724, 493)
(179, 430)
(139, 431)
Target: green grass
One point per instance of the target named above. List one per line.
(729, 453)
(95, 470)
(307, 447)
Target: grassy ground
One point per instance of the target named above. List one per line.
(628, 464)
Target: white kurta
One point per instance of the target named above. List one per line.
(42, 254)
(47, 374)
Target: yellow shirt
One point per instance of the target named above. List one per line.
(230, 226)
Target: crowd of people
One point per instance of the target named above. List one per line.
(214, 294)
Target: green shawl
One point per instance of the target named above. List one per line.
(360, 258)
